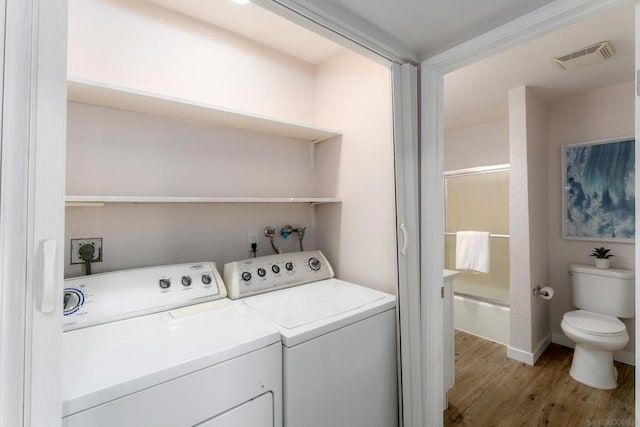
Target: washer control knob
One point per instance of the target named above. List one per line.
(289, 266)
(164, 283)
(246, 276)
(186, 281)
(72, 300)
(275, 268)
(262, 272)
(206, 279)
(314, 263)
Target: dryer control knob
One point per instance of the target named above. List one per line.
(314, 263)
(186, 281)
(246, 276)
(289, 266)
(275, 268)
(164, 283)
(262, 272)
(206, 279)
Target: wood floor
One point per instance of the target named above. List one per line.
(492, 390)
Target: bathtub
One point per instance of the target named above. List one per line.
(481, 317)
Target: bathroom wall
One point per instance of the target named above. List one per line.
(529, 331)
(359, 234)
(480, 145)
(537, 173)
(603, 113)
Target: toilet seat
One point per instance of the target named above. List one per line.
(594, 323)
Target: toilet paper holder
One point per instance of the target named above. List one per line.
(538, 291)
(544, 292)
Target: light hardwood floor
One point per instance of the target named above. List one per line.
(492, 390)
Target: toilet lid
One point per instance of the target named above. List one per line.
(594, 323)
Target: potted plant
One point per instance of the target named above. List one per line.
(602, 257)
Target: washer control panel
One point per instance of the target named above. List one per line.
(107, 297)
(264, 274)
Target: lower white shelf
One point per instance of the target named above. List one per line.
(77, 201)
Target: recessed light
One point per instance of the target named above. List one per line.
(241, 1)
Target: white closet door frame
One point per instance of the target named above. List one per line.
(32, 210)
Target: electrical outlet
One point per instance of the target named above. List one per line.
(76, 244)
(251, 239)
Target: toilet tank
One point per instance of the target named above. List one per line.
(605, 291)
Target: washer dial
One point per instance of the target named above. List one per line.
(73, 300)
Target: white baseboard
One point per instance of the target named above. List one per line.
(626, 357)
(520, 355)
(526, 356)
(542, 346)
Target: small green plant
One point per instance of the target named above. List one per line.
(601, 253)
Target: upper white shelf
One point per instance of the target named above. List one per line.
(99, 200)
(105, 95)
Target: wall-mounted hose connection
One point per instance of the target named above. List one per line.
(270, 232)
(286, 230)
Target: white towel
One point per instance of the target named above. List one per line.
(472, 251)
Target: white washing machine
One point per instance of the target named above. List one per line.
(162, 346)
(338, 338)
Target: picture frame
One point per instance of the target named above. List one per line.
(598, 197)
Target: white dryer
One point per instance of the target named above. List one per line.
(162, 346)
(338, 338)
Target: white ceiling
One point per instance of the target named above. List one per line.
(478, 92)
(427, 27)
(257, 24)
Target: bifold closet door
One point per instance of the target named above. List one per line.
(32, 210)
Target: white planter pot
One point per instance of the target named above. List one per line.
(602, 263)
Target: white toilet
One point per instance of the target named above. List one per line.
(601, 297)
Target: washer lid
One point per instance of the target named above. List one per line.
(594, 323)
(307, 311)
(104, 362)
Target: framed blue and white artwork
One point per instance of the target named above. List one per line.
(599, 190)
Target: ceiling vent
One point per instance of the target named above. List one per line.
(589, 55)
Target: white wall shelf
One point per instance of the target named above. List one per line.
(105, 95)
(78, 201)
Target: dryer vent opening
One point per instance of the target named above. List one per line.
(590, 55)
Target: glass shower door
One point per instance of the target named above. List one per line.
(479, 201)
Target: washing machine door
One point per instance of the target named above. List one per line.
(255, 413)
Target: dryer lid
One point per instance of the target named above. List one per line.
(594, 323)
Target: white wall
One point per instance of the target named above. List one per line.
(480, 145)
(520, 318)
(538, 220)
(353, 94)
(113, 152)
(603, 113)
(529, 320)
(139, 45)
